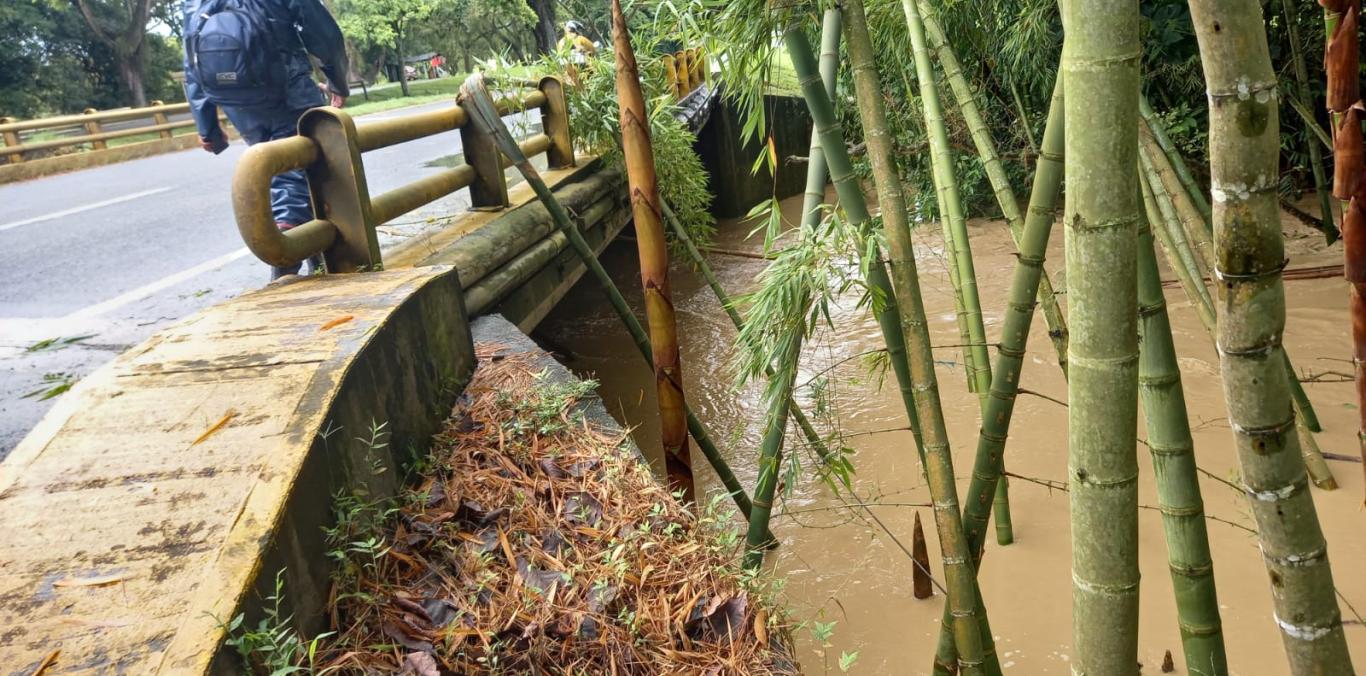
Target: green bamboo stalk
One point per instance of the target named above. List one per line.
(1241, 86)
(1178, 485)
(987, 464)
(487, 121)
(1200, 234)
(941, 159)
(1196, 292)
(779, 395)
(1101, 72)
(1183, 172)
(699, 261)
(816, 172)
(1168, 225)
(995, 169)
(855, 208)
(1173, 195)
(1191, 282)
(1020, 110)
(1321, 185)
(958, 573)
(1000, 511)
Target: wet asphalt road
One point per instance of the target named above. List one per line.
(110, 255)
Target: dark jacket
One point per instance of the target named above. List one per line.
(310, 29)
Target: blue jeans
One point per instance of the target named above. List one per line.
(290, 201)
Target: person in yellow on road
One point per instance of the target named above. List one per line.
(579, 46)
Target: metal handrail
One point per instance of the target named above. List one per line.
(328, 148)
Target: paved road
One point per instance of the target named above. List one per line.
(112, 254)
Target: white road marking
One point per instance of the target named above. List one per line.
(77, 210)
(146, 290)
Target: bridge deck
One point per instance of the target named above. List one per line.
(143, 509)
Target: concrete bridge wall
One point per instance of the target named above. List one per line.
(164, 493)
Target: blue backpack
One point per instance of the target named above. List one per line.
(236, 54)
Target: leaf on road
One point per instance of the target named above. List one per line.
(336, 322)
(98, 581)
(47, 662)
(232, 413)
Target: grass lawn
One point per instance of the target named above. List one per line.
(389, 96)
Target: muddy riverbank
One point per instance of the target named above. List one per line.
(839, 570)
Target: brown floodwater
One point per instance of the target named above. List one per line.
(838, 569)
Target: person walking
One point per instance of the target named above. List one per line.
(250, 58)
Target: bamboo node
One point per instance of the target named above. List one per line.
(1124, 589)
(1300, 560)
(1103, 362)
(1211, 629)
(1279, 493)
(1099, 64)
(1159, 380)
(1244, 90)
(1307, 632)
(1241, 191)
(1170, 450)
(1275, 430)
(1240, 277)
(1201, 570)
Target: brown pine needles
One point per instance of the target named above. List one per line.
(539, 542)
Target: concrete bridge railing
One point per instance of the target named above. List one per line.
(686, 70)
(329, 147)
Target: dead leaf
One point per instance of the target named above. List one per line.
(420, 664)
(47, 662)
(100, 581)
(336, 322)
(395, 631)
(232, 413)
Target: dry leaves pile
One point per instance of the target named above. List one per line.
(538, 543)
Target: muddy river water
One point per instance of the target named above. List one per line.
(840, 570)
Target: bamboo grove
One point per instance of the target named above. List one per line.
(1114, 165)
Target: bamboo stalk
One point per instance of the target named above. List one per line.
(816, 171)
(987, 463)
(1178, 485)
(654, 264)
(1101, 72)
(813, 437)
(487, 121)
(1241, 85)
(958, 573)
(995, 169)
(1167, 223)
(1201, 232)
(1191, 282)
(1321, 186)
(855, 208)
(946, 183)
(1174, 198)
(1196, 292)
(1183, 172)
(1000, 511)
(779, 395)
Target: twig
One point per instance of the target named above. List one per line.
(1041, 395)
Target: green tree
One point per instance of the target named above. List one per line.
(384, 23)
(122, 26)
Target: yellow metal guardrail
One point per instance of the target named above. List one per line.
(88, 128)
(686, 70)
(328, 149)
